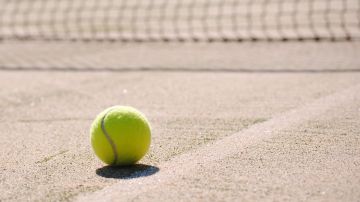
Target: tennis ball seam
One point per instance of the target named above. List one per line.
(112, 143)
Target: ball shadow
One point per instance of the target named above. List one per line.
(127, 172)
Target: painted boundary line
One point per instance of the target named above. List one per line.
(196, 159)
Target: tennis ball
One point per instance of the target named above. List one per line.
(120, 135)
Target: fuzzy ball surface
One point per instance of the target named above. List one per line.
(120, 135)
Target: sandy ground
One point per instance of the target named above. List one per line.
(280, 159)
(277, 121)
(270, 57)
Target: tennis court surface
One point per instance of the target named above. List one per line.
(247, 100)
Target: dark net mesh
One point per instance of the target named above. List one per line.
(180, 20)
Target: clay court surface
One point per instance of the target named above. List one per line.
(269, 121)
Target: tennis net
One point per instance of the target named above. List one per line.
(180, 20)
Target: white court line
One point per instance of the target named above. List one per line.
(228, 146)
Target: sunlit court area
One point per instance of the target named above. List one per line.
(182, 100)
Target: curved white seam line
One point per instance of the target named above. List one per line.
(113, 146)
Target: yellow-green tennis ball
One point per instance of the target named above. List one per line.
(120, 135)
